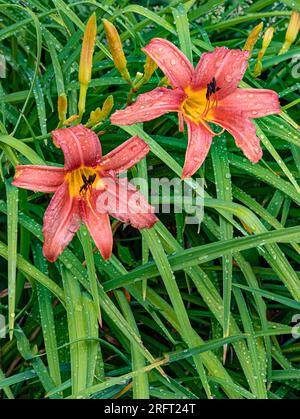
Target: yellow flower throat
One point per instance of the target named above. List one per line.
(198, 104)
(81, 180)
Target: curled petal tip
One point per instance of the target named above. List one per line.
(80, 145)
(174, 64)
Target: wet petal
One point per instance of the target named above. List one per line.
(199, 142)
(125, 156)
(39, 178)
(61, 222)
(251, 103)
(124, 202)
(172, 62)
(244, 133)
(99, 227)
(80, 145)
(227, 66)
(149, 106)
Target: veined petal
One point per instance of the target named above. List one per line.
(61, 222)
(80, 145)
(251, 103)
(149, 106)
(176, 67)
(227, 66)
(125, 156)
(39, 178)
(243, 131)
(98, 225)
(124, 202)
(199, 142)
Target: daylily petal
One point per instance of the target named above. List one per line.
(124, 202)
(99, 226)
(199, 142)
(125, 156)
(61, 222)
(243, 131)
(172, 62)
(252, 103)
(39, 178)
(149, 106)
(227, 66)
(80, 145)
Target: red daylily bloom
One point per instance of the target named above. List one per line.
(207, 94)
(79, 186)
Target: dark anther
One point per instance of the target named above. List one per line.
(211, 88)
(87, 182)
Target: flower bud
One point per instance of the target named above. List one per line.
(70, 120)
(116, 49)
(149, 68)
(98, 115)
(88, 44)
(268, 36)
(292, 32)
(107, 106)
(62, 106)
(253, 37)
(86, 59)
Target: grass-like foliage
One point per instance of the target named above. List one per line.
(179, 310)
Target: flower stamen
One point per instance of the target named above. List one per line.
(87, 182)
(81, 180)
(199, 103)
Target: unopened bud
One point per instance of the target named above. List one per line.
(292, 32)
(253, 37)
(87, 50)
(71, 119)
(98, 115)
(149, 68)
(86, 61)
(62, 106)
(116, 49)
(107, 106)
(268, 36)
